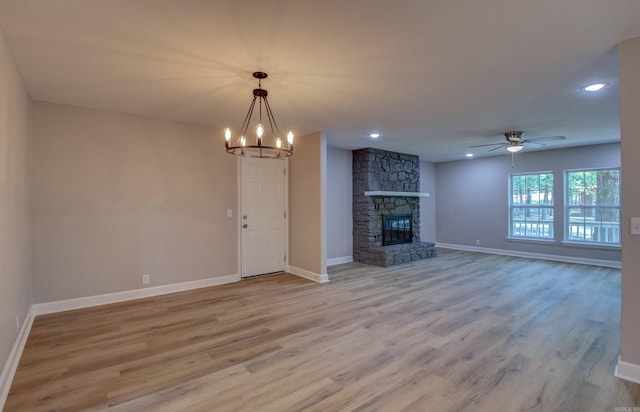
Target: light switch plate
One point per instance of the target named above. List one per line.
(635, 225)
(229, 213)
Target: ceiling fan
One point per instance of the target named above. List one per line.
(515, 141)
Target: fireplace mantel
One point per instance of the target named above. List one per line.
(399, 194)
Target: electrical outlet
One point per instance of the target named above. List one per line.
(17, 323)
(477, 242)
(635, 225)
(146, 279)
(229, 213)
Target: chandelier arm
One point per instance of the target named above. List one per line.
(272, 119)
(247, 118)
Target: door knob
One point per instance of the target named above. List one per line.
(245, 226)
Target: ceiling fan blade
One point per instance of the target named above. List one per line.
(490, 144)
(544, 139)
(499, 147)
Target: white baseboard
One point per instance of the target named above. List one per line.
(529, 255)
(97, 300)
(316, 277)
(627, 371)
(339, 260)
(11, 365)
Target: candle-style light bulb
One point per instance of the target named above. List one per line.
(278, 143)
(290, 138)
(227, 137)
(243, 141)
(259, 133)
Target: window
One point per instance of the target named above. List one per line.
(531, 206)
(593, 206)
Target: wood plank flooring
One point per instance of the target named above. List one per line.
(460, 332)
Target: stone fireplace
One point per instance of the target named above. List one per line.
(387, 184)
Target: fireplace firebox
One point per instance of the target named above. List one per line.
(396, 229)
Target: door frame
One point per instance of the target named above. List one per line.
(239, 213)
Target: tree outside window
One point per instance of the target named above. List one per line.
(531, 205)
(593, 206)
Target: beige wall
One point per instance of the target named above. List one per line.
(15, 254)
(339, 203)
(307, 204)
(116, 196)
(428, 204)
(629, 54)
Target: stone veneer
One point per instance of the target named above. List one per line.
(380, 170)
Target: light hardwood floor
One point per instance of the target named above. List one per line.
(461, 332)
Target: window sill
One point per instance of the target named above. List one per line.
(592, 245)
(531, 240)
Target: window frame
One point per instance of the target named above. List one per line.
(568, 206)
(511, 235)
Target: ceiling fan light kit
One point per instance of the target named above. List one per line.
(261, 149)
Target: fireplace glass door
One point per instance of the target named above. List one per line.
(396, 229)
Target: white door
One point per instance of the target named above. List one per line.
(262, 216)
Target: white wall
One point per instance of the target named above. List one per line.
(339, 203)
(428, 204)
(15, 244)
(472, 198)
(116, 196)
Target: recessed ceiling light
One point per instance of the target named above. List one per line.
(374, 135)
(594, 87)
(469, 155)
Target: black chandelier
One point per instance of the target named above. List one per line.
(261, 148)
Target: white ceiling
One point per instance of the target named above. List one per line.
(433, 76)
